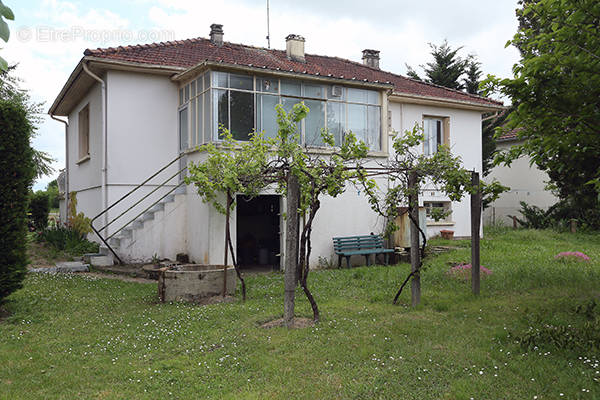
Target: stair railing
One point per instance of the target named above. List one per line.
(161, 185)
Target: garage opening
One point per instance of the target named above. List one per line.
(258, 244)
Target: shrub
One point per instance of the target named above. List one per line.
(68, 240)
(16, 164)
(558, 216)
(77, 221)
(39, 206)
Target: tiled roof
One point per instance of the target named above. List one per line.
(190, 52)
(510, 135)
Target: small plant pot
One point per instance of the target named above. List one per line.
(447, 234)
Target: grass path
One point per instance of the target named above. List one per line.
(87, 337)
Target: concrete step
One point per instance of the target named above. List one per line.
(126, 233)
(158, 207)
(102, 261)
(169, 199)
(138, 223)
(115, 241)
(148, 216)
(181, 190)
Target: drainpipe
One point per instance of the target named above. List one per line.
(104, 142)
(66, 163)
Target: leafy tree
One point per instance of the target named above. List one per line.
(11, 91)
(249, 167)
(7, 13)
(446, 68)
(443, 170)
(231, 168)
(15, 180)
(53, 194)
(556, 87)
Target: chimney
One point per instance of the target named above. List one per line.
(216, 34)
(371, 58)
(294, 47)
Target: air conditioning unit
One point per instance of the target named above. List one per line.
(336, 91)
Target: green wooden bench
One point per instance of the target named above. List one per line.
(359, 245)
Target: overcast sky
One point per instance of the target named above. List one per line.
(48, 37)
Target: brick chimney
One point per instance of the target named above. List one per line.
(294, 47)
(371, 58)
(216, 34)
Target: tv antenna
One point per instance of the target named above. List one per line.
(268, 29)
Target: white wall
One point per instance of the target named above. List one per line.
(142, 137)
(85, 178)
(526, 182)
(465, 141)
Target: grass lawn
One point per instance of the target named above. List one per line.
(74, 336)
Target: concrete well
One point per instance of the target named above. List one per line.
(193, 282)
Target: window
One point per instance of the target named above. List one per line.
(435, 132)
(84, 132)
(438, 211)
(244, 103)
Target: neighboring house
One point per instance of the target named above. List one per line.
(131, 110)
(526, 183)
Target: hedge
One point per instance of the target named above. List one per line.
(16, 176)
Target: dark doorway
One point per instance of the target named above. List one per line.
(258, 232)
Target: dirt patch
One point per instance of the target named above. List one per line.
(297, 323)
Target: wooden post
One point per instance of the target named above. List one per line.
(415, 256)
(475, 227)
(225, 260)
(291, 248)
(573, 225)
(514, 222)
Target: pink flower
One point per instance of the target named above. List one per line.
(572, 255)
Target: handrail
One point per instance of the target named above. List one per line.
(149, 207)
(97, 231)
(142, 199)
(136, 188)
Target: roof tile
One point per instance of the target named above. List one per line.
(190, 52)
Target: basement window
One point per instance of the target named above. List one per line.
(438, 211)
(84, 133)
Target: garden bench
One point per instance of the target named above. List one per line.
(359, 245)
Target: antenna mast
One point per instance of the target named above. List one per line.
(268, 28)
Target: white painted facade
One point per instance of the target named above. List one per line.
(142, 136)
(526, 183)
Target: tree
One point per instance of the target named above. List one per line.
(11, 91)
(53, 194)
(556, 90)
(446, 68)
(16, 178)
(249, 167)
(7, 13)
(230, 169)
(407, 172)
(472, 76)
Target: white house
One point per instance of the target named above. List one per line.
(132, 110)
(526, 182)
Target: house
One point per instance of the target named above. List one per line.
(133, 110)
(526, 182)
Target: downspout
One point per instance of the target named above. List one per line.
(66, 163)
(104, 189)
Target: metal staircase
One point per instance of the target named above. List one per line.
(126, 230)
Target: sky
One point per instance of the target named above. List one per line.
(48, 37)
